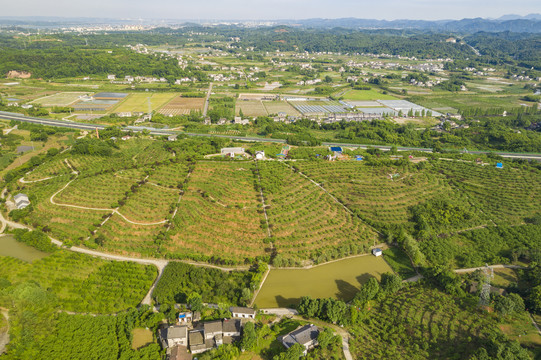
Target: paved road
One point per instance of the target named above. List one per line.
(82, 126)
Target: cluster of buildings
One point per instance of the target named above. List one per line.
(198, 336)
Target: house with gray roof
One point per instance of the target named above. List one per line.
(242, 312)
(197, 342)
(174, 335)
(305, 336)
(21, 200)
(231, 327)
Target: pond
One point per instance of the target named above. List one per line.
(11, 247)
(340, 280)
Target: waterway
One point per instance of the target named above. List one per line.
(11, 247)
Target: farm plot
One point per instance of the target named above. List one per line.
(91, 164)
(129, 239)
(306, 222)
(275, 107)
(101, 191)
(83, 283)
(519, 198)
(149, 204)
(367, 95)
(138, 102)
(372, 193)
(65, 223)
(420, 323)
(59, 99)
(251, 108)
(52, 168)
(170, 175)
(182, 106)
(219, 214)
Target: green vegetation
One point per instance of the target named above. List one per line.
(179, 281)
(82, 283)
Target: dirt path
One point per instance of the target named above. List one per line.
(4, 336)
(533, 321)
(328, 193)
(207, 100)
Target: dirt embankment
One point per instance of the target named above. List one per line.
(14, 74)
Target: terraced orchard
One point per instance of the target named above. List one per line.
(83, 283)
(420, 323)
(510, 203)
(305, 221)
(219, 215)
(381, 195)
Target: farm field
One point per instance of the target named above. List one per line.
(364, 95)
(251, 108)
(59, 99)
(371, 192)
(149, 203)
(421, 323)
(275, 107)
(305, 221)
(219, 214)
(182, 106)
(519, 198)
(340, 280)
(138, 102)
(83, 283)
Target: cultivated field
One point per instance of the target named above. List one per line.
(219, 215)
(59, 99)
(251, 108)
(83, 283)
(305, 221)
(138, 102)
(275, 107)
(340, 280)
(371, 192)
(182, 106)
(364, 95)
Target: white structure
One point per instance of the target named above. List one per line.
(242, 312)
(171, 137)
(111, 77)
(377, 252)
(232, 151)
(259, 155)
(21, 201)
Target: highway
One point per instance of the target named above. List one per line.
(85, 126)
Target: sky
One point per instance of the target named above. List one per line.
(270, 9)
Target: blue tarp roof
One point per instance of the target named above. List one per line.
(336, 148)
(499, 165)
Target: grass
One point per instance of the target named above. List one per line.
(367, 95)
(275, 107)
(399, 262)
(141, 338)
(340, 280)
(521, 329)
(504, 277)
(138, 102)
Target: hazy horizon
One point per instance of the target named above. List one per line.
(238, 10)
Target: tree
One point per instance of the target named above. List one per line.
(328, 79)
(325, 337)
(293, 353)
(368, 291)
(195, 302)
(535, 299)
(249, 336)
(390, 283)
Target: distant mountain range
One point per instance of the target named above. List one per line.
(515, 23)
